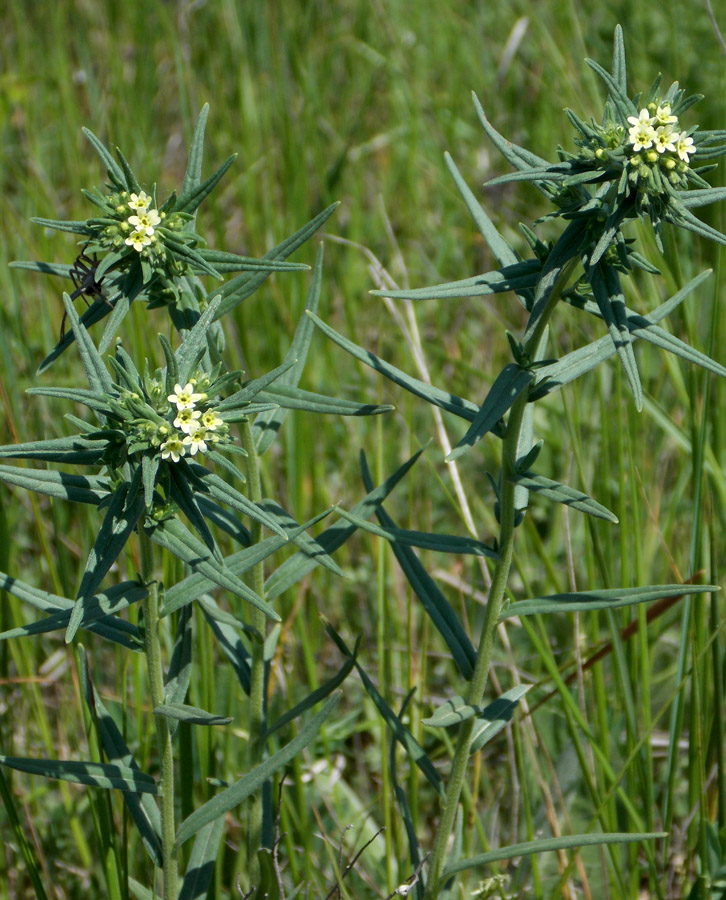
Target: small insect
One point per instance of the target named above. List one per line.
(83, 276)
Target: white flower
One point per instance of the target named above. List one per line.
(211, 419)
(184, 397)
(145, 221)
(684, 146)
(664, 139)
(186, 419)
(663, 115)
(138, 240)
(195, 441)
(641, 134)
(139, 201)
(174, 447)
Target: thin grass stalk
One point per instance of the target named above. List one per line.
(155, 674)
(256, 706)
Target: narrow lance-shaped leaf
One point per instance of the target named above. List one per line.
(192, 715)
(443, 543)
(267, 425)
(508, 385)
(193, 174)
(76, 488)
(171, 534)
(611, 301)
(124, 511)
(201, 861)
(142, 808)
(436, 606)
(519, 277)
(611, 598)
(253, 780)
(96, 371)
(561, 493)
(112, 167)
(295, 568)
(238, 289)
(398, 729)
(465, 409)
(103, 775)
(496, 715)
(544, 845)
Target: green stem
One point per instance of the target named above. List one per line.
(152, 649)
(478, 683)
(258, 620)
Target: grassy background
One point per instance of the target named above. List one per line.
(357, 102)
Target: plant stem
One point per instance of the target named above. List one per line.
(152, 649)
(478, 683)
(258, 620)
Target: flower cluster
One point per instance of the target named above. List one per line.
(656, 130)
(195, 427)
(143, 221)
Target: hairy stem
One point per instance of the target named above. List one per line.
(258, 620)
(152, 649)
(477, 686)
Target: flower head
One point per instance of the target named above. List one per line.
(195, 441)
(664, 139)
(139, 239)
(139, 201)
(173, 448)
(211, 420)
(664, 117)
(187, 419)
(145, 221)
(185, 397)
(684, 146)
(641, 134)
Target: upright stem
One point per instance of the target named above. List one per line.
(258, 620)
(152, 649)
(478, 683)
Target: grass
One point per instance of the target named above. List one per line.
(357, 102)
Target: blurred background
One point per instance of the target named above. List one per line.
(356, 101)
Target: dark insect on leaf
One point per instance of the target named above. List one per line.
(83, 276)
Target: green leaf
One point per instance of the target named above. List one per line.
(111, 629)
(60, 225)
(115, 172)
(98, 377)
(123, 513)
(61, 270)
(224, 492)
(295, 568)
(181, 712)
(103, 775)
(496, 715)
(443, 543)
(436, 397)
(253, 780)
(91, 399)
(508, 385)
(241, 398)
(620, 72)
(576, 363)
(305, 542)
(518, 277)
(201, 861)
(517, 156)
(121, 306)
(567, 842)
(611, 302)
(267, 425)
(74, 449)
(238, 289)
(232, 646)
(453, 711)
(76, 488)
(171, 534)
(287, 397)
(142, 808)
(193, 174)
(179, 674)
(195, 342)
(232, 262)
(317, 695)
(398, 729)
(561, 493)
(191, 199)
(101, 607)
(618, 95)
(612, 598)
(436, 606)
